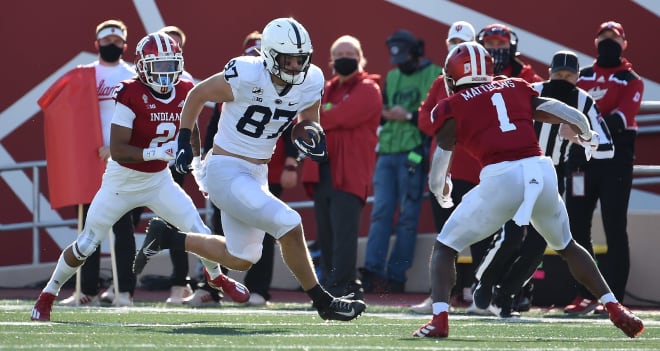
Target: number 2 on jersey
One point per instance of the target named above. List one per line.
(166, 132)
(502, 114)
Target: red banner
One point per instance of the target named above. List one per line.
(72, 129)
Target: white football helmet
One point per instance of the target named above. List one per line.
(159, 62)
(285, 36)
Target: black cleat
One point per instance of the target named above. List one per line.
(503, 311)
(342, 309)
(152, 243)
(522, 302)
(482, 296)
(501, 303)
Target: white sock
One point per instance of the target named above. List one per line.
(63, 272)
(609, 297)
(439, 307)
(212, 267)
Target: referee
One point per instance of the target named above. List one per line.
(516, 252)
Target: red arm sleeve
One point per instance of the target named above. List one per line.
(630, 100)
(529, 75)
(436, 93)
(439, 115)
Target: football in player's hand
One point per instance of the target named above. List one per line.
(309, 138)
(306, 130)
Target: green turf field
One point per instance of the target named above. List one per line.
(280, 326)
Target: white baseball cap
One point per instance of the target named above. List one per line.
(461, 30)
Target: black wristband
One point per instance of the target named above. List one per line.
(292, 168)
(184, 135)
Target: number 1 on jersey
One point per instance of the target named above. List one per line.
(502, 114)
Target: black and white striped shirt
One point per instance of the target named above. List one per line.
(556, 147)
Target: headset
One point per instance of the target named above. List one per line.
(417, 50)
(513, 37)
(416, 45)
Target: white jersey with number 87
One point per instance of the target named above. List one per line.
(251, 124)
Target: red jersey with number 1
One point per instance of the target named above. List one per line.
(156, 120)
(493, 120)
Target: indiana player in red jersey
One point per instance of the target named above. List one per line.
(493, 120)
(142, 141)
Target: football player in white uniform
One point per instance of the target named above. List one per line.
(261, 96)
(144, 125)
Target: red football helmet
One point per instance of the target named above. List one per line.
(467, 63)
(159, 62)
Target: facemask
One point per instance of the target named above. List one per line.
(500, 59)
(345, 65)
(110, 53)
(609, 53)
(165, 81)
(408, 67)
(450, 46)
(560, 89)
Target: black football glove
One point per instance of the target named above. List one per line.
(184, 154)
(315, 149)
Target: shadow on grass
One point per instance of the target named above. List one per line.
(189, 328)
(232, 331)
(568, 317)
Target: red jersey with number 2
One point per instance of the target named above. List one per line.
(493, 120)
(156, 120)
